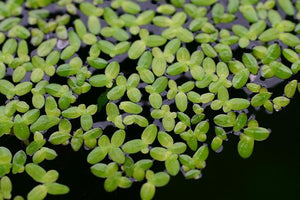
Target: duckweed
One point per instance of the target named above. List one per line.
(158, 71)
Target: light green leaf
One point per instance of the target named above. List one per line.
(6, 187)
(57, 189)
(117, 155)
(46, 47)
(224, 120)
(100, 170)
(245, 146)
(36, 172)
(133, 146)
(172, 165)
(44, 123)
(238, 104)
(147, 191)
(37, 193)
(159, 153)
(257, 133)
(19, 161)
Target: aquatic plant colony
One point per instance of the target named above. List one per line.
(160, 68)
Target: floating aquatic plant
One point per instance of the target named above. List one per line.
(159, 71)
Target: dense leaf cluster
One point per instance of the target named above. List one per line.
(187, 59)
